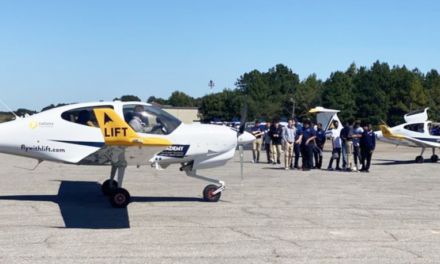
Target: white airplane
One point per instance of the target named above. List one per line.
(416, 132)
(99, 134)
(326, 117)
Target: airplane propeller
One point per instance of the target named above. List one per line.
(240, 133)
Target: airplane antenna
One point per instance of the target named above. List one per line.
(10, 110)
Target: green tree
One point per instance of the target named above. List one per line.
(338, 94)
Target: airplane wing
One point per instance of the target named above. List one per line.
(404, 140)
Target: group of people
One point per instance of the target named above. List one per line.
(354, 143)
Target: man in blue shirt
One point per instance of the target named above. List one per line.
(307, 143)
(289, 140)
(368, 146)
(319, 147)
(296, 146)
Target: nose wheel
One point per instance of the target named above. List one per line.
(119, 198)
(210, 193)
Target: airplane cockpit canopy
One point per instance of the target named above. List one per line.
(417, 127)
(150, 119)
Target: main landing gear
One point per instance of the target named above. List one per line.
(119, 197)
(434, 157)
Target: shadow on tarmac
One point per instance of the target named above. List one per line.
(394, 162)
(82, 205)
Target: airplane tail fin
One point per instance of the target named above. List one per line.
(386, 132)
(117, 132)
(326, 117)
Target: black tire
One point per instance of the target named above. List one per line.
(434, 158)
(120, 198)
(105, 187)
(419, 159)
(208, 195)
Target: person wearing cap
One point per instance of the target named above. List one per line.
(276, 134)
(256, 145)
(289, 140)
(307, 144)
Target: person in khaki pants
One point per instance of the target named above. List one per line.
(256, 145)
(276, 134)
(289, 140)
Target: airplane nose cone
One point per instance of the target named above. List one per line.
(245, 138)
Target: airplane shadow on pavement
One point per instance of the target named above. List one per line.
(83, 205)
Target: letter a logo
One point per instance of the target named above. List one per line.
(107, 119)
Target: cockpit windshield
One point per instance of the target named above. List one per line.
(150, 119)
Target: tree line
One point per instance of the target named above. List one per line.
(374, 94)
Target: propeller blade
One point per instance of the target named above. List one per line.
(243, 116)
(240, 148)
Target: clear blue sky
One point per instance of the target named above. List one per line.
(83, 51)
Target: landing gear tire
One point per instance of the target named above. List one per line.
(120, 198)
(419, 159)
(434, 158)
(105, 187)
(208, 194)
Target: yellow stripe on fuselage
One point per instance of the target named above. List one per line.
(117, 132)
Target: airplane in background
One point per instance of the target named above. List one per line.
(326, 117)
(100, 134)
(416, 132)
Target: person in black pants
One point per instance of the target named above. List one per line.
(319, 148)
(336, 146)
(307, 143)
(369, 144)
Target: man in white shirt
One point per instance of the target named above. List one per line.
(336, 143)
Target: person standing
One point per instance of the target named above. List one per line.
(344, 137)
(357, 135)
(319, 147)
(307, 143)
(349, 145)
(369, 139)
(336, 146)
(296, 146)
(267, 143)
(276, 134)
(289, 140)
(256, 145)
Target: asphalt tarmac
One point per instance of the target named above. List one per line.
(57, 214)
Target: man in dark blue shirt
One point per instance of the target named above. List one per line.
(344, 138)
(276, 134)
(307, 143)
(369, 144)
(296, 146)
(319, 147)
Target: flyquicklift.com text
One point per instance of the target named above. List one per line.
(41, 149)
